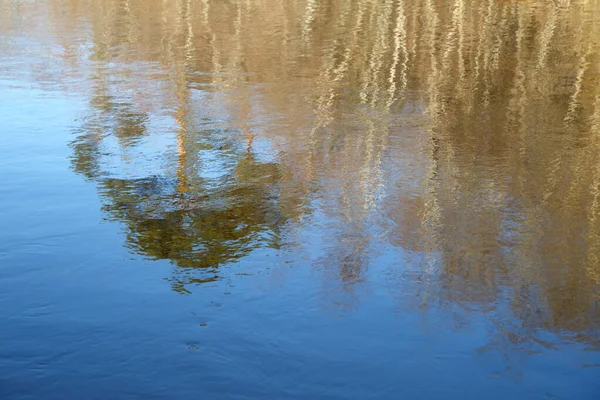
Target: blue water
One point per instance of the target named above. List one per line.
(119, 279)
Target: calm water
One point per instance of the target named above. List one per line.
(304, 199)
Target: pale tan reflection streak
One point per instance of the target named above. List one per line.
(372, 52)
(337, 75)
(461, 21)
(569, 119)
(546, 35)
(9, 9)
(432, 23)
(184, 27)
(445, 79)
(527, 251)
(504, 30)
(371, 171)
(376, 132)
(593, 252)
(452, 43)
(581, 163)
(329, 78)
(189, 35)
(431, 217)
(166, 39)
(107, 32)
(571, 162)
(484, 42)
(504, 16)
(132, 31)
(595, 186)
(400, 52)
(370, 86)
(413, 11)
(242, 94)
(285, 36)
(216, 73)
(340, 72)
(574, 103)
(307, 20)
(518, 97)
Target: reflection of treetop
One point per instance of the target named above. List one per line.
(199, 228)
(185, 218)
(193, 230)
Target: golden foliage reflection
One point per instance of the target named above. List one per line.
(465, 132)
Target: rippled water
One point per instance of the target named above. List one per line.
(305, 199)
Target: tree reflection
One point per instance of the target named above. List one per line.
(199, 230)
(202, 227)
(465, 133)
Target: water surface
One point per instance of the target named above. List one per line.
(307, 199)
